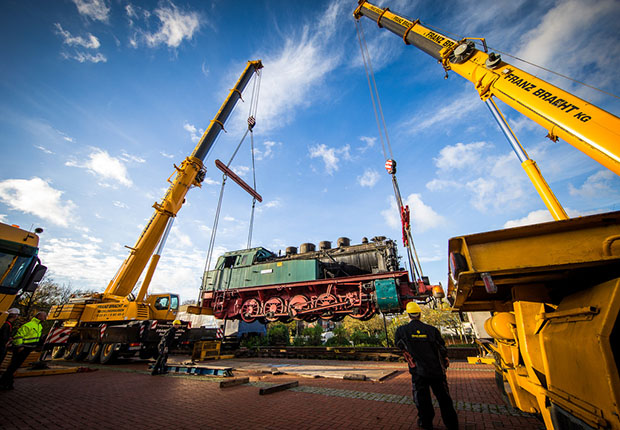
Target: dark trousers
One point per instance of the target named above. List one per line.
(160, 364)
(19, 356)
(422, 397)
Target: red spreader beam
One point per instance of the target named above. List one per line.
(232, 175)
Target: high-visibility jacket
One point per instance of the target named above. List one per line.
(29, 333)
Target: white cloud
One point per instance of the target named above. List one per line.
(36, 196)
(460, 155)
(267, 152)
(330, 156)
(131, 12)
(369, 142)
(369, 178)
(502, 185)
(296, 71)
(544, 42)
(83, 57)
(273, 204)
(229, 218)
(422, 217)
(457, 109)
(83, 262)
(442, 184)
(90, 42)
(165, 154)
(128, 157)
(539, 216)
(534, 217)
(104, 167)
(42, 148)
(97, 10)
(194, 133)
(601, 183)
(3, 218)
(119, 204)
(176, 26)
(240, 170)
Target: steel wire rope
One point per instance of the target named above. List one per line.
(252, 114)
(224, 178)
(374, 93)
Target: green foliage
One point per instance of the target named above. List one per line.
(278, 334)
(313, 335)
(340, 338)
(360, 338)
(254, 341)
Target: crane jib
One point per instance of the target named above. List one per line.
(217, 125)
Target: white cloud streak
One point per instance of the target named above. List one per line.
(97, 10)
(369, 178)
(175, 26)
(104, 167)
(330, 156)
(37, 197)
(90, 42)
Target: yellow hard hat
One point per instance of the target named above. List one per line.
(413, 308)
(175, 322)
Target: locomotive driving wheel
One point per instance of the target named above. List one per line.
(250, 310)
(296, 304)
(362, 312)
(326, 300)
(273, 306)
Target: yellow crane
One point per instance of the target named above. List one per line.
(115, 322)
(588, 128)
(553, 288)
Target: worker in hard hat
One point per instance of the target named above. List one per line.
(427, 356)
(25, 341)
(6, 331)
(165, 344)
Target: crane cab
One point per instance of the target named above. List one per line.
(163, 306)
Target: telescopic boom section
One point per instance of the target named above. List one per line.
(585, 126)
(190, 173)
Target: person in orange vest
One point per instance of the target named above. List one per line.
(6, 331)
(427, 356)
(25, 341)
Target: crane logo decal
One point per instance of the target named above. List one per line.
(545, 95)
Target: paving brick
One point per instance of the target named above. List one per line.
(126, 397)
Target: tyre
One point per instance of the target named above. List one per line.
(93, 354)
(58, 352)
(81, 351)
(70, 351)
(108, 353)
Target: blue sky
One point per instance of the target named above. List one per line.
(98, 100)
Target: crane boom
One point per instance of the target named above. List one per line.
(588, 128)
(190, 173)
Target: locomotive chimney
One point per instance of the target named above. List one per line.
(325, 244)
(343, 241)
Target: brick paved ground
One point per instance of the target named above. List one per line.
(125, 396)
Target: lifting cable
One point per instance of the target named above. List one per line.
(390, 163)
(251, 123)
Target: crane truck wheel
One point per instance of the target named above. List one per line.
(58, 352)
(94, 353)
(70, 351)
(82, 350)
(108, 353)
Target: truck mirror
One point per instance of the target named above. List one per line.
(35, 277)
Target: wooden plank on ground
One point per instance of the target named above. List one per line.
(276, 388)
(234, 382)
